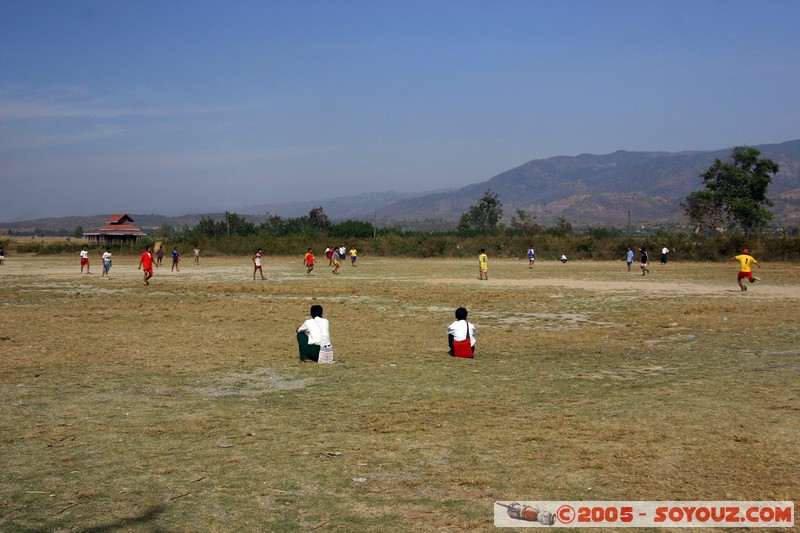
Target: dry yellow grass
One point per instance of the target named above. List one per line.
(182, 406)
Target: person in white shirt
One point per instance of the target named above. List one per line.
(106, 262)
(314, 334)
(85, 259)
(460, 329)
(664, 252)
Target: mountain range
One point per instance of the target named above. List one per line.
(588, 189)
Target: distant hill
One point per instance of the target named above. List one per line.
(600, 189)
(587, 189)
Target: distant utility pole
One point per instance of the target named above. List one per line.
(375, 226)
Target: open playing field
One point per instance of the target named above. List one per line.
(183, 406)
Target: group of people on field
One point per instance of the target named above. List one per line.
(335, 255)
(313, 335)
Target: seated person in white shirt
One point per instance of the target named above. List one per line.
(460, 329)
(313, 334)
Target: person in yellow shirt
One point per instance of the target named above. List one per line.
(353, 255)
(483, 265)
(745, 270)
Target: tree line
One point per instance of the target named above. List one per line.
(729, 213)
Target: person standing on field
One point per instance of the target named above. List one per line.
(629, 258)
(745, 270)
(353, 256)
(176, 259)
(645, 261)
(159, 255)
(146, 264)
(664, 252)
(336, 261)
(85, 259)
(106, 263)
(196, 255)
(531, 256)
(308, 261)
(483, 265)
(257, 264)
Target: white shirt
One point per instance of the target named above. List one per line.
(458, 330)
(257, 260)
(84, 254)
(106, 256)
(665, 250)
(318, 331)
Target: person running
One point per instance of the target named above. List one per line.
(483, 265)
(629, 258)
(196, 255)
(257, 264)
(329, 255)
(745, 270)
(85, 259)
(308, 261)
(106, 263)
(336, 260)
(353, 256)
(176, 259)
(146, 264)
(531, 256)
(645, 261)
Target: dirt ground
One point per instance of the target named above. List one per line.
(182, 406)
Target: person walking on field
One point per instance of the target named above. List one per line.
(483, 265)
(664, 252)
(336, 260)
(745, 270)
(645, 261)
(176, 259)
(308, 261)
(257, 264)
(531, 256)
(85, 259)
(629, 258)
(106, 263)
(146, 264)
(159, 255)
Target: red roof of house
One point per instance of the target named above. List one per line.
(118, 219)
(120, 229)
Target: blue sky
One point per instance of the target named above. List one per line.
(178, 106)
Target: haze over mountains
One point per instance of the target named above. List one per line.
(587, 189)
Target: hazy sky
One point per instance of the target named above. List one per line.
(178, 106)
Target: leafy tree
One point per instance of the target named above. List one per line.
(561, 228)
(237, 225)
(485, 215)
(525, 223)
(206, 227)
(318, 220)
(735, 194)
(164, 231)
(78, 233)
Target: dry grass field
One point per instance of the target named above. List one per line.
(183, 406)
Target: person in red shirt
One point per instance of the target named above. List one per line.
(308, 261)
(146, 265)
